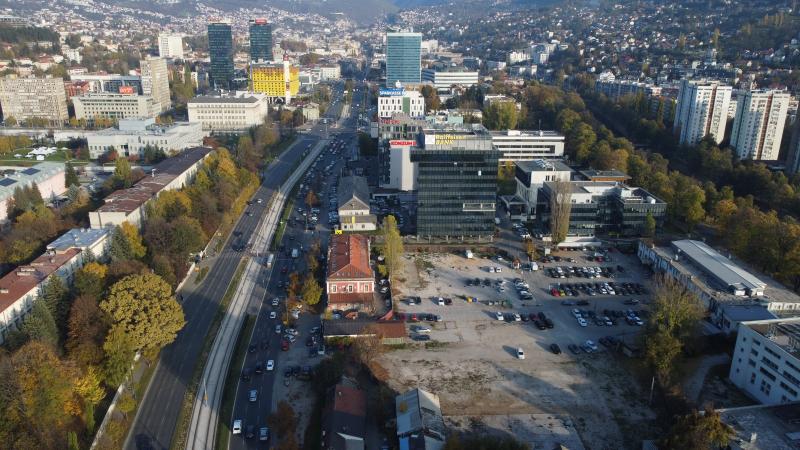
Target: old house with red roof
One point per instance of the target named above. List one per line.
(350, 283)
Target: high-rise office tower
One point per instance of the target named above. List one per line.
(758, 125)
(155, 80)
(403, 57)
(702, 110)
(170, 45)
(260, 40)
(220, 49)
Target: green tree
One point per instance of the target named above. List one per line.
(10, 121)
(392, 247)
(91, 279)
(126, 243)
(126, 404)
(698, 431)
(649, 227)
(119, 349)
(143, 307)
(39, 325)
(312, 292)
(70, 176)
(123, 176)
(501, 116)
(56, 298)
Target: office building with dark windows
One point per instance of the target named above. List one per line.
(403, 58)
(260, 40)
(220, 50)
(456, 183)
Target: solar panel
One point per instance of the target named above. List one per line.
(31, 171)
(7, 182)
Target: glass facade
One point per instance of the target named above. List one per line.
(403, 58)
(220, 49)
(260, 41)
(456, 188)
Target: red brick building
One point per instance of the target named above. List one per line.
(350, 283)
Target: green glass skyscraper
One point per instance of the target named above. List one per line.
(260, 40)
(403, 57)
(220, 51)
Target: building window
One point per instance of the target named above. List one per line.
(349, 288)
(333, 288)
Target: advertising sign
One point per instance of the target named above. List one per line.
(392, 92)
(401, 143)
(128, 90)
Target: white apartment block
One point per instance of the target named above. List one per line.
(115, 106)
(155, 81)
(531, 176)
(26, 98)
(702, 110)
(445, 79)
(228, 113)
(518, 145)
(326, 73)
(766, 360)
(398, 100)
(132, 136)
(170, 45)
(758, 125)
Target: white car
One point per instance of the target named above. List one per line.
(253, 396)
(498, 269)
(499, 315)
(422, 329)
(270, 365)
(274, 302)
(237, 426)
(591, 345)
(517, 317)
(272, 315)
(582, 322)
(440, 301)
(278, 329)
(520, 354)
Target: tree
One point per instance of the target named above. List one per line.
(530, 249)
(119, 349)
(39, 325)
(10, 121)
(283, 421)
(312, 292)
(649, 226)
(91, 279)
(560, 209)
(126, 404)
(86, 329)
(123, 177)
(89, 387)
(392, 247)
(143, 307)
(126, 243)
(432, 101)
(38, 400)
(698, 431)
(70, 176)
(501, 116)
(311, 199)
(56, 297)
(674, 317)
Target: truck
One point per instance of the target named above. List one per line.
(295, 253)
(270, 260)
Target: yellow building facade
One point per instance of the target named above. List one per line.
(275, 80)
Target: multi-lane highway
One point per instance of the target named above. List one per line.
(265, 342)
(156, 420)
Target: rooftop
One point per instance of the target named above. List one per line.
(592, 174)
(390, 330)
(543, 165)
(348, 257)
(746, 313)
(353, 186)
(722, 268)
(764, 427)
(27, 176)
(23, 279)
(77, 237)
(783, 332)
(526, 134)
(127, 200)
(418, 410)
(241, 99)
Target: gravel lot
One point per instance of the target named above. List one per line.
(471, 361)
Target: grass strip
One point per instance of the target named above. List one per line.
(201, 276)
(231, 380)
(185, 415)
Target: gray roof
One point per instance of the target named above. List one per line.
(746, 313)
(542, 165)
(28, 176)
(419, 411)
(353, 187)
(208, 99)
(79, 238)
(717, 265)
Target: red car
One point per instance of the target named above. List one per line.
(284, 345)
(413, 318)
(554, 292)
(401, 317)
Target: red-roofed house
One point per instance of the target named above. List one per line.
(344, 418)
(350, 283)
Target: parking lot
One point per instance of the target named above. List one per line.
(469, 354)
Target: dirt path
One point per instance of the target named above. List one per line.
(694, 384)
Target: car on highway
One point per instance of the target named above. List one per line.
(278, 328)
(270, 365)
(275, 302)
(250, 432)
(263, 434)
(237, 426)
(253, 395)
(272, 315)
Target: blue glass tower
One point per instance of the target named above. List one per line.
(403, 57)
(220, 51)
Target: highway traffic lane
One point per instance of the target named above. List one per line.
(155, 422)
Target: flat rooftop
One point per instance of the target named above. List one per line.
(764, 427)
(783, 332)
(592, 174)
(543, 165)
(722, 268)
(526, 134)
(77, 237)
(27, 176)
(221, 99)
(127, 200)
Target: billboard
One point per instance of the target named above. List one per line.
(128, 90)
(392, 92)
(402, 143)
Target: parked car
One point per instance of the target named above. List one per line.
(520, 353)
(555, 349)
(270, 365)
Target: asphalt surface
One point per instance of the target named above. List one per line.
(265, 342)
(156, 419)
